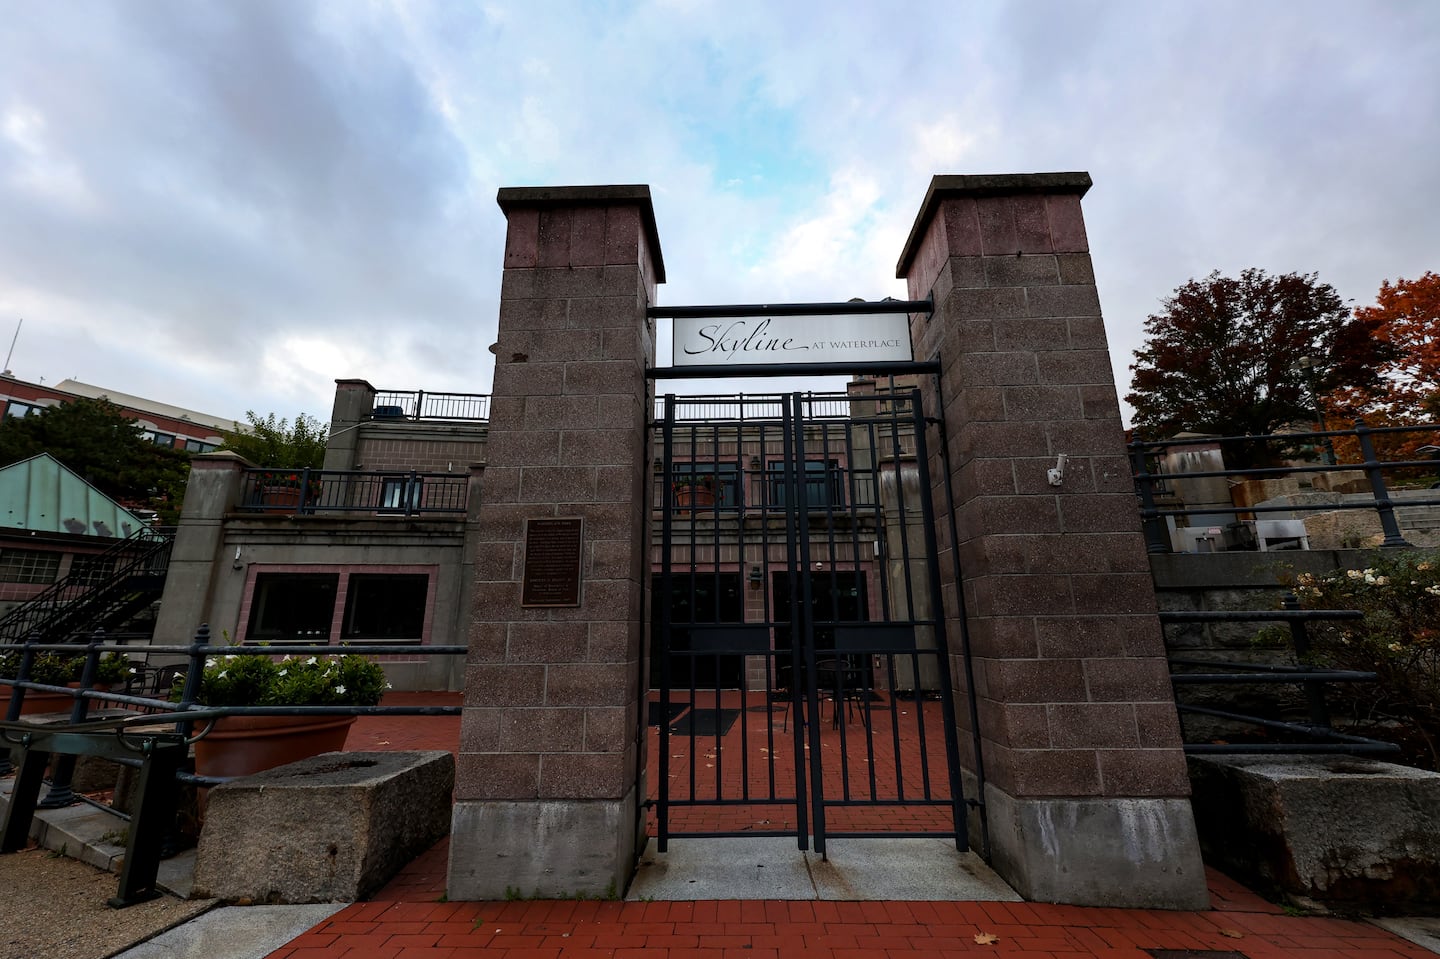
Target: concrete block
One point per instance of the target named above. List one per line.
(1347, 832)
(555, 849)
(332, 828)
(1121, 853)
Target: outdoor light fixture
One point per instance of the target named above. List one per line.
(754, 462)
(755, 578)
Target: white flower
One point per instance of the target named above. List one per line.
(1354, 574)
(311, 661)
(222, 674)
(283, 672)
(230, 658)
(132, 670)
(340, 689)
(212, 661)
(285, 658)
(388, 686)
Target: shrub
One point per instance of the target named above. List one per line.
(1398, 640)
(259, 679)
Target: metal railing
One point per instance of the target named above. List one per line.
(1151, 483)
(91, 586)
(135, 734)
(1318, 735)
(420, 405)
(389, 493)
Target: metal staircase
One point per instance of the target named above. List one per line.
(100, 592)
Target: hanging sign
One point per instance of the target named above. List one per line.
(774, 340)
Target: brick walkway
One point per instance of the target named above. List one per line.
(409, 919)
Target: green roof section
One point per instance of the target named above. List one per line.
(43, 495)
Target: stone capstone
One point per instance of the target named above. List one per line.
(331, 828)
(1345, 831)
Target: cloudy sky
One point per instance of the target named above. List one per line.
(228, 205)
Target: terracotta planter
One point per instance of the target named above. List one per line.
(38, 702)
(280, 499)
(242, 745)
(694, 497)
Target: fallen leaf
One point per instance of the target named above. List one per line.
(986, 938)
(1232, 933)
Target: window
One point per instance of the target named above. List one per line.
(28, 566)
(16, 408)
(386, 606)
(400, 494)
(292, 608)
(198, 446)
(823, 482)
(723, 479)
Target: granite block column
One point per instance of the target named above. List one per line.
(1086, 786)
(550, 773)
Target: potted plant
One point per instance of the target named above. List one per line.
(241, 745)
(695, 491)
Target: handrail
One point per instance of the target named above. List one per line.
(1321, 736)
(1150, 482)
(375, 492)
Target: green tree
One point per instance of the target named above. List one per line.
(103, 445)
(277, 444)
(1223, 355)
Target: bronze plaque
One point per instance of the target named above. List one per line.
(552, 562)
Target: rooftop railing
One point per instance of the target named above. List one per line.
(420, 405)
(393, 492)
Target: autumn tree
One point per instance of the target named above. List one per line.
(106, 447)
(1406, 318)
(276, 443)
(1224, 355)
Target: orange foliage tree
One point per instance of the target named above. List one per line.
(1406, 319)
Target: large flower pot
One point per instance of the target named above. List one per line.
(242, 745)
(280, 499)
(694, 497)
(38, 702)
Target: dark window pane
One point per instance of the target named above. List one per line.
(386, 606)
(292, 607)
(28, 566)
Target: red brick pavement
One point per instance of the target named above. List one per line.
(409, 918)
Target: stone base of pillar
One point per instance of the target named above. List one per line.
(1122, 853)
(547, 849)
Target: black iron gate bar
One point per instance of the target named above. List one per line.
(835, 437)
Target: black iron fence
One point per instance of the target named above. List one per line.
(392, 493)
(420, 405)
(1338, 450)
(1317, 735)
(153, 714)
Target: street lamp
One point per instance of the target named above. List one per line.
(1306, 365)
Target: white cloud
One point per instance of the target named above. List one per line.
(243, 202)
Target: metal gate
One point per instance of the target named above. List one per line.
(799, 668)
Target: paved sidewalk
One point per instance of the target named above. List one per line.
(409, 920)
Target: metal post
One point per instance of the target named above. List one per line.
(1314, 688)
(193, 676)
(1155, 539)
(1383, 505)
(62, 773)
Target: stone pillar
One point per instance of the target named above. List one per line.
(354, 401)
(550, 774)
(197, 558)
(1086, 787)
